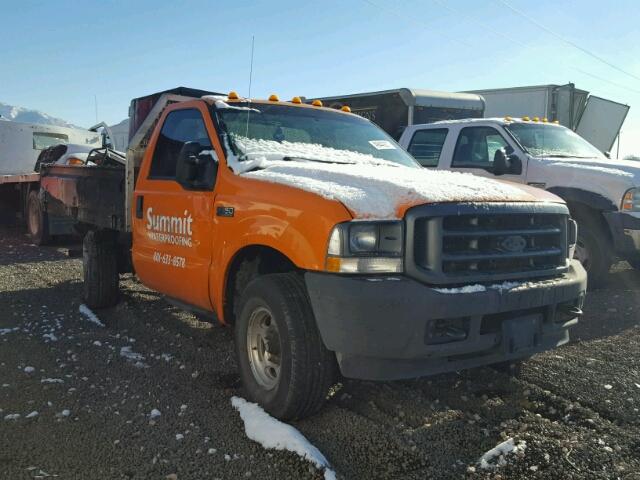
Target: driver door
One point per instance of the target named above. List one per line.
(475, 150)
(173, 225)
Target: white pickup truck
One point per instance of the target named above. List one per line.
(602, 194)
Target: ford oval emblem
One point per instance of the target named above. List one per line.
(513, 243)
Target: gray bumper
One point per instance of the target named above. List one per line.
(384, 328)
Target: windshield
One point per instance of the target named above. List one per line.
(552, 141)
(283, 132)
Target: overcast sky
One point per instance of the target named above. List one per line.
(56, 56)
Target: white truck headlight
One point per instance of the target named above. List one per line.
(631, 201)
(366, 247)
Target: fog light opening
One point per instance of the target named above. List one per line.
(446, 330)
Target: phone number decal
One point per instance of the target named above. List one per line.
(168, 259)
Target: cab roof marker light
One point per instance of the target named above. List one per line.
(557, 122)
(507, 118)
(233, 95)
(545, 120)
(525, 119)
(296, 100)
(317, 103)
(536, 119)
(274, 98)
(346, 108)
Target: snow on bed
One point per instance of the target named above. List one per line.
(273, 434)
(92, 317)
(370, 187)
(496, 456)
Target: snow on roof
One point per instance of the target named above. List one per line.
(271, 433)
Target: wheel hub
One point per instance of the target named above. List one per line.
(263, 348)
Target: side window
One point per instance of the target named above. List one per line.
(426, 146)
(179, 127)
(476, 147)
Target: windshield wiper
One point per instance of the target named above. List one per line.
(319, 160)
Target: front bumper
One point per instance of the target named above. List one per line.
(625, 231)
(385, 327)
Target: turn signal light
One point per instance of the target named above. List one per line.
(273, 98)
(296, 100)
(75, 161)
(233, 95)
(346, 108)
(317, 103)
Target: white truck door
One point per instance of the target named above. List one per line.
(474, 150)
(601, 121)
(428, 145)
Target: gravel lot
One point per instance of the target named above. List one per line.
(577, 408)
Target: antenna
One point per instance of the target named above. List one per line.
(253, 38)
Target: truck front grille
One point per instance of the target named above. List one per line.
(465, 243)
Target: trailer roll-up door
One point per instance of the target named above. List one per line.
(601, 121)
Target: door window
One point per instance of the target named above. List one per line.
(476, 147)
(426, 146)
(180, 127)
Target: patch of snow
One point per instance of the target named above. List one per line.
(499, 452)
(50, 336)
(595, 168)
(92, 317)
(155, 413)
(32, 414)
(465, 289)
(4, 331)
(179, 436)
(12, 416)
(271, 433)
(368, 186)
(608, 386)
(51, 380)
(97, 343)
(29, 369)
(221, 104)
(65, 413)
(132, 356)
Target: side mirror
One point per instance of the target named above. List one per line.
(196, 170)
(607, 154)
(503, 163)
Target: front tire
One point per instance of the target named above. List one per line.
(284, 366)
(100, 269)
(37, 220)
(592, 250)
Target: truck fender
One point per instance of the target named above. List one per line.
(590, 199)
(288, 242)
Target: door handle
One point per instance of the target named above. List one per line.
(139, 205)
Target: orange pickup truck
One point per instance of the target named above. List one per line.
(323, 243)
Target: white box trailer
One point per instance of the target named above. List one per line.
(596, 119)
(20, 145)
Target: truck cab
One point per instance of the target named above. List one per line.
(601, 193)
(325, 246)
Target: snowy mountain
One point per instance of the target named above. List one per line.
(25, 115)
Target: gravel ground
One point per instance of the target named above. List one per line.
(576, 408)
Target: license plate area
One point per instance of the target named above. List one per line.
(521, 334)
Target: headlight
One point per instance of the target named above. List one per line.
(366, 247)
(631, 201)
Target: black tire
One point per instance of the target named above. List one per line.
(37, 220)
(307, 368)
(593, 239)
(100, 268)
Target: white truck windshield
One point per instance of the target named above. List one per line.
(300, 133)
(552, 141)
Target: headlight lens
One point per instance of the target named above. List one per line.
(572, 237)
(631, 201)
(366, 247)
